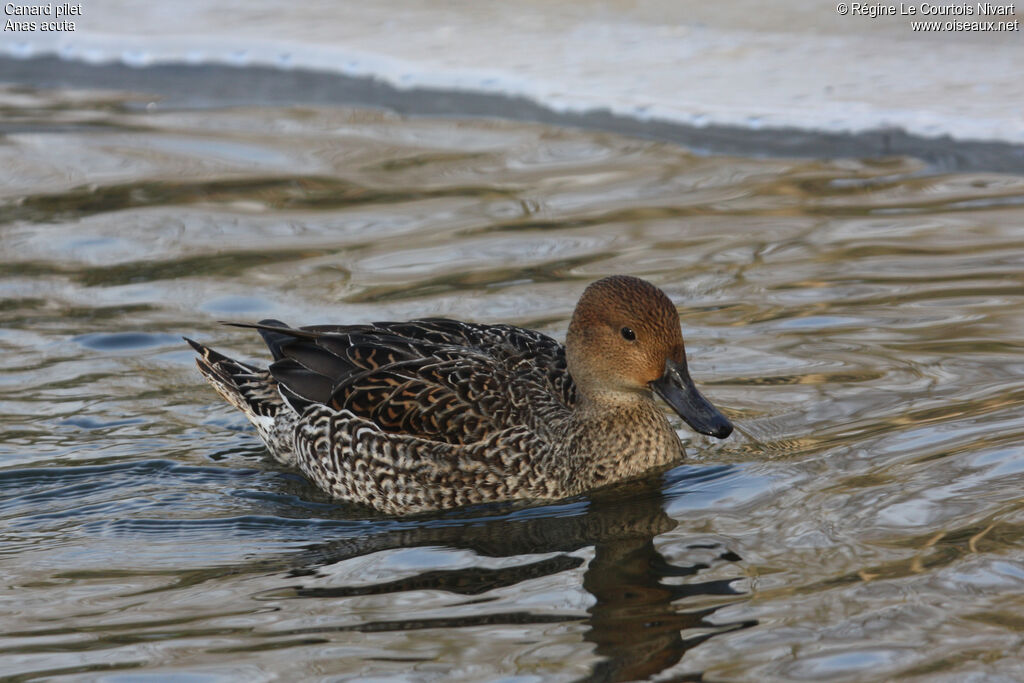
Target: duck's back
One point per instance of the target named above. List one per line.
(434, 379)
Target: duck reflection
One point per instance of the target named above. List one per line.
(639, 618)
(635, 622)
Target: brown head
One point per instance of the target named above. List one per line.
(624, 339)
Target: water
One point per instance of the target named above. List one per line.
(859, 320)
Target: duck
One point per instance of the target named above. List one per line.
(433, 414)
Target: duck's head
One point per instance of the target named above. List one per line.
(624, 338)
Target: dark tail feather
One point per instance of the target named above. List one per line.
(275, 334)
(208, 354)
(213, 358)
(273, 338)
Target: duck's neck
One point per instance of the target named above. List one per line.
(615, 436)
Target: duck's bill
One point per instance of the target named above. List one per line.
(679, 391)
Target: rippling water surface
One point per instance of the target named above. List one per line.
(860, 320)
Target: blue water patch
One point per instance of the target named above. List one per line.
(846, 663)
(236, 304)
(703, 488)
(259, 526)
(124, 341)
(79, 242)
(85, 422)
(24, 478)
(679, 477)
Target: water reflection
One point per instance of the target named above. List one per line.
(639, 622)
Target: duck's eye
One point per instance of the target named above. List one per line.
(628, 334)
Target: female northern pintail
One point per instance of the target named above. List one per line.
(436, 413)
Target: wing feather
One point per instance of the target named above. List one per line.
(435, 379)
